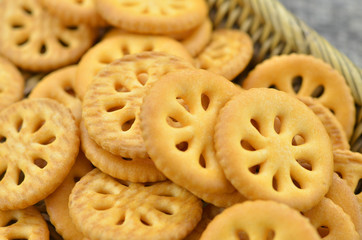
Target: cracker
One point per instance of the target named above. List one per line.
(331, 221)
(112, 102)
(39, 142)
(260, 220)
(11, 83)
(272, 146)
(23, 224)
(35, 40)
(334, 129)
(134, 170)
(305, 75)
(197, 40)
(177, 123)
(156, 17)
(58, 85)
(116, 47)
(341, 194)
(75, 11)
(104, 208)
(348, 165)
(228, 53)
(57, 202)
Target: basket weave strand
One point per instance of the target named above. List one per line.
(274, 31)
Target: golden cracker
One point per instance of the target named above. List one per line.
(273, 147)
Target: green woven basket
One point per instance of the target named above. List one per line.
(274, 31)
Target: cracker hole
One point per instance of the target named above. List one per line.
(21, 177)
(332, 111)
(76, 179)
(125, 50)
(121, 220)
(318, 91)
(40, 163)
(17, 25)
(103, 191)
(255, 124)
(148, 48)
(305, 164)
(242, 235)
(182, 102)
(202, 161)
(358, 189)
(297, 83)
(323, 231)
(205, 101)
(120, 88)
(149, 184)
(63, 43)
(127, 159)
(128, 124)
(105, 59)
(11, 222)
(173, 122)
(246, 145)
(255, 169)
(339, 174)
(70, 91)
(165, 210)
(2, 175)
(23, 42)
(102, 206)
(18, 238)
(115, 108)
(145, 221)
(19, 125)
(72, 27)
(296, 183)
(43, 49)
(2, 139)
(27, 10)
(166, 194)
(277, 124)
(182, 146)
(48, 140)
(298, 140)
(142, 77)
(270, 235)
(130, 4)
(273, 86)
(275, 183)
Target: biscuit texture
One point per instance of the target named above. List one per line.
(305, 75)
(39, 142)
(272, 146)
(105, 208)
(259, 220)
(35, 40)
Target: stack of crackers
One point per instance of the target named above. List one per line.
(135, 119)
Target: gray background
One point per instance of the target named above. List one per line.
(339, 21)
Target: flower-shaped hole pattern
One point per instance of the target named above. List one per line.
(274, 147)
(42, 138)
(132, 208)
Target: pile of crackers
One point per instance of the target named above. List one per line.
(145, 122)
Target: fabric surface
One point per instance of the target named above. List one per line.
(339, 21)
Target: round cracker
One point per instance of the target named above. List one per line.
(75, 11)
(134, 170)
(35, 40)
(105, 208)
(116, 47)
(58, 85)
(112, 103)
(57, 202)
(260, 220)
(39, 142)
(273, 147)
(23, 224)
(331, 221)
(155, 16)
(341, 194)
(334, 128)
(348, 165)
(177, 121)
(11, 83)
(228, 53)
(305, 75)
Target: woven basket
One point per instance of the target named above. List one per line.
(274, 31)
